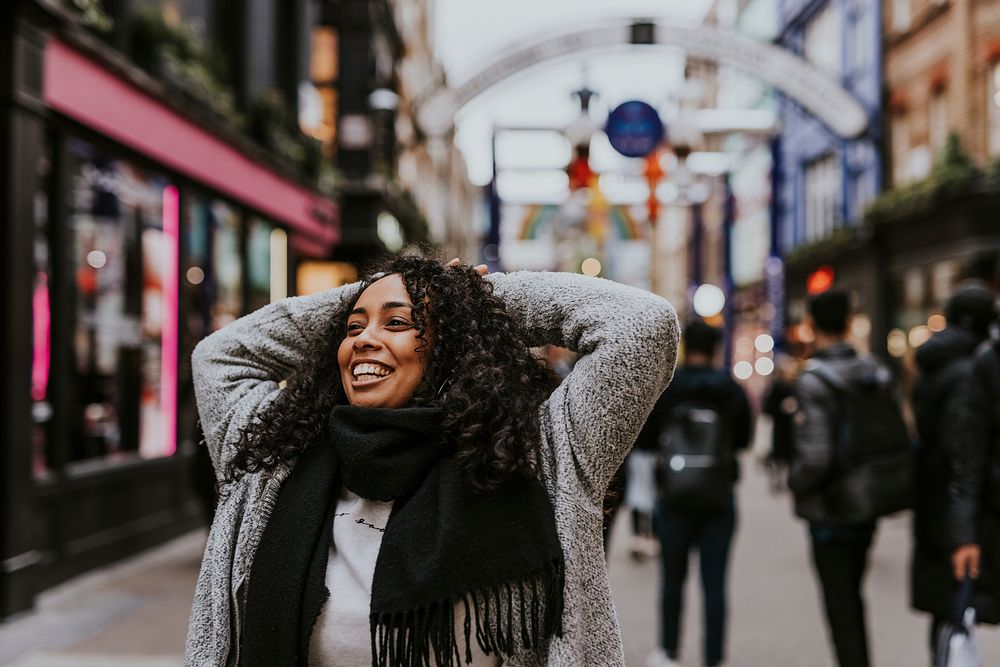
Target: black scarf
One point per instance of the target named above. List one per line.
(497, 555)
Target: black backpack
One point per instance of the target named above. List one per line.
(696, 459)
(873, 451)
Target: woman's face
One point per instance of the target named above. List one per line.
(380, 366)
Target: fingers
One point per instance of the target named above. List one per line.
(965, 561)
(481, 269)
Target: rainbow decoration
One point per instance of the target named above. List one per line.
(623, 222)
(539, 216)
(536, 217)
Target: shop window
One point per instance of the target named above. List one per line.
(213, 268)
(823, 46)
(993, 99)
(259, 262)
(123, 225)
(823, 188)
(41, 407)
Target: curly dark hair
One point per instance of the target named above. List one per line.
(480, 372)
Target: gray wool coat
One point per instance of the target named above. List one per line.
(627, 339)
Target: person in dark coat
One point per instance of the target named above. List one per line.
(780, 404)
(710, 530)
(975, 482)
(841, 537)
(945, 364)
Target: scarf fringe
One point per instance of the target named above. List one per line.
(413, 637)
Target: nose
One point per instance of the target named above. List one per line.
(367, 339)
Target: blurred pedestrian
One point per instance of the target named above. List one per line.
(780, 405)
(975, 482)
(418, 493)
(850, 465)
(700, 423)
(945, 365)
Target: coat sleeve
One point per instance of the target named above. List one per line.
(627, 342)
(970, 446)
(237, 369)
(742, 418)
(813, 460)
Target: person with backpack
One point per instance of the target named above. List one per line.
(851, 464)
(975, 481)
(945, 366)
(697, 427)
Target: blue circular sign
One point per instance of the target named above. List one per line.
(634, 129)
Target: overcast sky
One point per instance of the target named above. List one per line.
(469, 32)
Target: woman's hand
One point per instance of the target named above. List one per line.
(965, 560)
(482, 269)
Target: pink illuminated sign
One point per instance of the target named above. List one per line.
(170, 335)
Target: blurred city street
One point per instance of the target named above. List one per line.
(134, 614)
(171, 168)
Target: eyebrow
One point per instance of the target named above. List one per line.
(388, 305)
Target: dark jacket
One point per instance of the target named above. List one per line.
(706, 384)
(945, 363)
(814, 466)
(780, 404)
(975, 482)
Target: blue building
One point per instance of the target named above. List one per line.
(826, 181)
(823, 182)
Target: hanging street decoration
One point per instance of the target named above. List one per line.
(634, 129)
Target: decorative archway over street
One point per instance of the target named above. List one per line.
(812, 88)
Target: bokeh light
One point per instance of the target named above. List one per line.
(709, 300)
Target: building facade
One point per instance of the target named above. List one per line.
(942, 76)
(142, 210)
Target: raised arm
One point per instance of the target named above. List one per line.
(238, 368)
(627, 339)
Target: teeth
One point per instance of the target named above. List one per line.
(370, 369)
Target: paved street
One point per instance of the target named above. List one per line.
(134, 614)
(775, 615)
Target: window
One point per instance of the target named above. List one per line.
(938, 120)
(823, 186)
(865, 39)
(901, 15)
(994, 108)
(823, 40)
(324, 69)
(214, 268)
(900, 138)
(124, 242)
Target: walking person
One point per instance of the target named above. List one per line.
(780, 404)
(945, 365)
(699, 424)
(418, 492)
(850, 465)
(975, 482)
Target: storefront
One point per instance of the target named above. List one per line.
(130, 233)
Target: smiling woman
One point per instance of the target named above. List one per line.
(421, 492)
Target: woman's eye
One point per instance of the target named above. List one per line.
(396, 322)
(354, 326)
